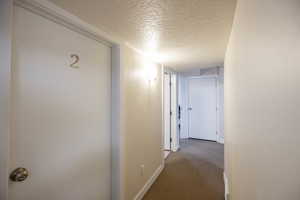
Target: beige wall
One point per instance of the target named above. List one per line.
(141, 120)
(262, 101)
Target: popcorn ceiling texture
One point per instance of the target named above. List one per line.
(181, 34)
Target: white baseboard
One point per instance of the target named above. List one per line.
(187, 137)
(226, 186)
(221, 140)
(149, 183)
(175, 149)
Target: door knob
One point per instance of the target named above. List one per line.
(19, 174)
(190, 108)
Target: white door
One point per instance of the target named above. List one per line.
(202, 108)
(167, 110)
(60, 122)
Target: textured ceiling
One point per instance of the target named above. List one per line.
(181, 34)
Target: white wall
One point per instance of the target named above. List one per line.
(183, 97)
(262, 101)
(5, 63)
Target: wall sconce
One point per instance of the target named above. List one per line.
(150, 73)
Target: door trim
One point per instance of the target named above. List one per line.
(174, 110)
(53, 13)
(6, 9)
(215, 77)
(167, 110)
(173, 121)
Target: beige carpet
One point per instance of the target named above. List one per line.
(193, 173)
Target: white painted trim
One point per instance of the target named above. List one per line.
(173, 107)
(166, 154)
(167, 110)
(226, 194)
(218, 109)
(202, 77)
(220, 140)
(162, 115)
(6, 9)
(176, 148)
(174, 110)
(116, 138)
(149, 183)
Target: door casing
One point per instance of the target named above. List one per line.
(174, 110)
(170, 111)
(167, 110)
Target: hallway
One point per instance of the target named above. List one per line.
(99, 98)
(195, 172)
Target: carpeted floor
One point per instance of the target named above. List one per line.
(193, 173)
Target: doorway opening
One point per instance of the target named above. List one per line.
(201, 103)
(197, 127)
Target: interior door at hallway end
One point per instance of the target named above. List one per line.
(60, 120)
(202, 102)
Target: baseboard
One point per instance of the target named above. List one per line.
(175, 149)
(184, 137)
(226, 186)
(221, 140)
(149, 183)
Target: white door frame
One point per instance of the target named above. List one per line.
(220, 139)
(6, 8)
(215, 77)
(167, 110)
(174, 111)
(171, 120)
(50, 11)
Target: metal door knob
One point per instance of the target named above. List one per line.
(19, 174)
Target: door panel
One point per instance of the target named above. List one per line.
(60, 122)
(202, 108)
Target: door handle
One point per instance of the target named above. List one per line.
(19, 174)
(190, 108)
